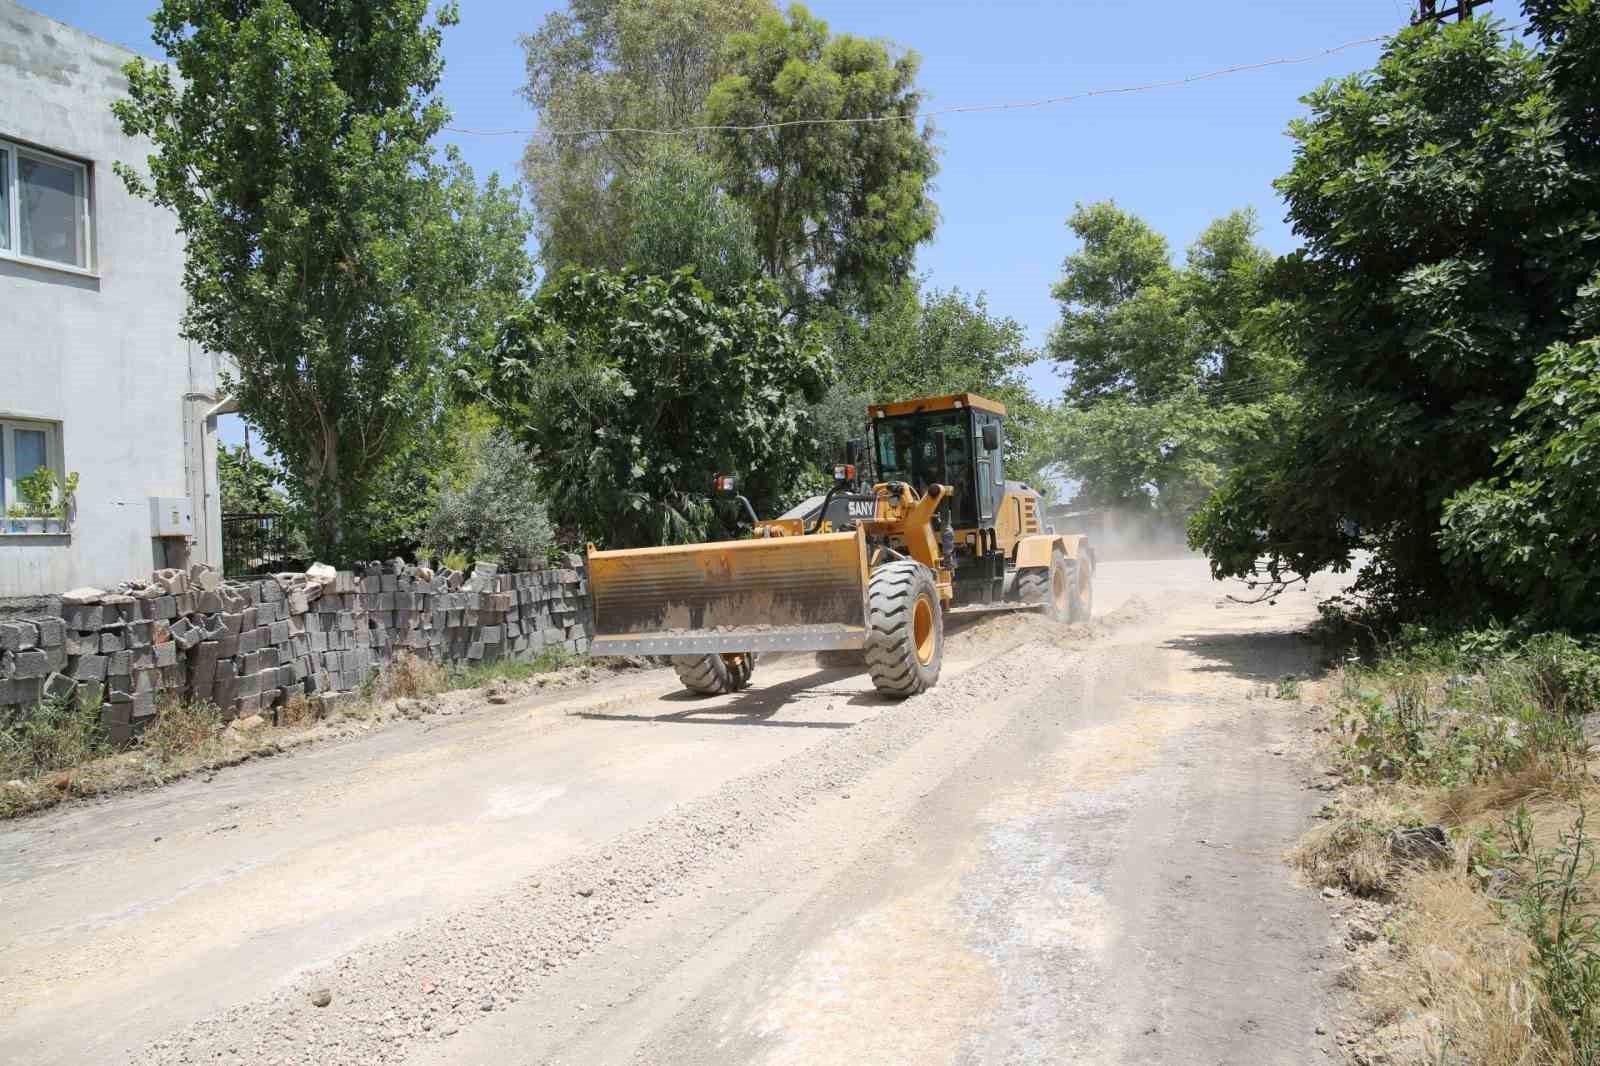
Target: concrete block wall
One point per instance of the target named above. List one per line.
(251, 646)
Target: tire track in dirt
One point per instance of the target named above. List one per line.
(427, 983)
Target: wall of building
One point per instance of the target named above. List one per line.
(100, 353)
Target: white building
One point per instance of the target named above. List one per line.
(94, 377)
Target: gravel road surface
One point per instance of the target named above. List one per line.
(1070, 851)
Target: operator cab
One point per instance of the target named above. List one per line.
(950, 440)
(957, 441)
(953, 440)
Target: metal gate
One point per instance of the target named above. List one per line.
(253, 543)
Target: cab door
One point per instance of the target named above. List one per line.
(988, 440)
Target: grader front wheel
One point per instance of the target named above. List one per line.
(714, 675)
(905, 629)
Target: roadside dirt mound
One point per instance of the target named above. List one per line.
(1135, 609)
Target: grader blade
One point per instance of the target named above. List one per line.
(798, 593)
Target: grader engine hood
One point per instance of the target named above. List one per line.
(801, 593)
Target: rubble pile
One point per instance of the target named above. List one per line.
(251, 646)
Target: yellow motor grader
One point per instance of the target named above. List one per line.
(873, 564)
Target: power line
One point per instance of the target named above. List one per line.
(964, 109)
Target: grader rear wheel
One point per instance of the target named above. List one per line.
(1080, 606)
(1033, 585)
(905, 629)
(714, 675)
(1064, 589)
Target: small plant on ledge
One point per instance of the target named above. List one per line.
(47, 503)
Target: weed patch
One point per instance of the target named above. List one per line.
(1552, 903)
(55, 734)
(476, 675)
(58, 749)
(1422, 720)
(1495, 957)
(183, 731)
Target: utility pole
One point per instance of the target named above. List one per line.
(1432, 11)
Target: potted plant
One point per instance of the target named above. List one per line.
(46, 502)
(18, 520)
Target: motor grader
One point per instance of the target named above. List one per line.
(874, 564)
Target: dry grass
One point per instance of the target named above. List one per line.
(184, 730)
(408, 677)
(1470, 968)
(1456, 962)
(297, 712)
(1350, 848)
(1540, 784)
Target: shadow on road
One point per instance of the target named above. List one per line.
(1256, 656)
(755, 706)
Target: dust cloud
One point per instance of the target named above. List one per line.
(1118, 534)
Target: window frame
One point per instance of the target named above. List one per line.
(53, 457)
(11, 177)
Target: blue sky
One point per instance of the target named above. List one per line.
(1179, 156)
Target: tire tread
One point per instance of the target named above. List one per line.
(892, 592)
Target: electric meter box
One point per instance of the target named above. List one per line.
(171, 516)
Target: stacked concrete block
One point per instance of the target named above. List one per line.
(251, 646)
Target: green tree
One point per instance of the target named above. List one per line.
(248, 484)
(1122, 330)
(681, 217)
(1448, 204)
(1173, 372)
(1532, 530)
(497, 512)
(928, 343)
(840, 208)
(1135, 326)
(604, 64)
(632, 392)
(329, 251)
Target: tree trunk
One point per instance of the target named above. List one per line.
(328, 499)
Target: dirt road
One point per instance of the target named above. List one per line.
(1070, 851)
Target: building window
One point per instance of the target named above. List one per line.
(25, 446)
(44, 207)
